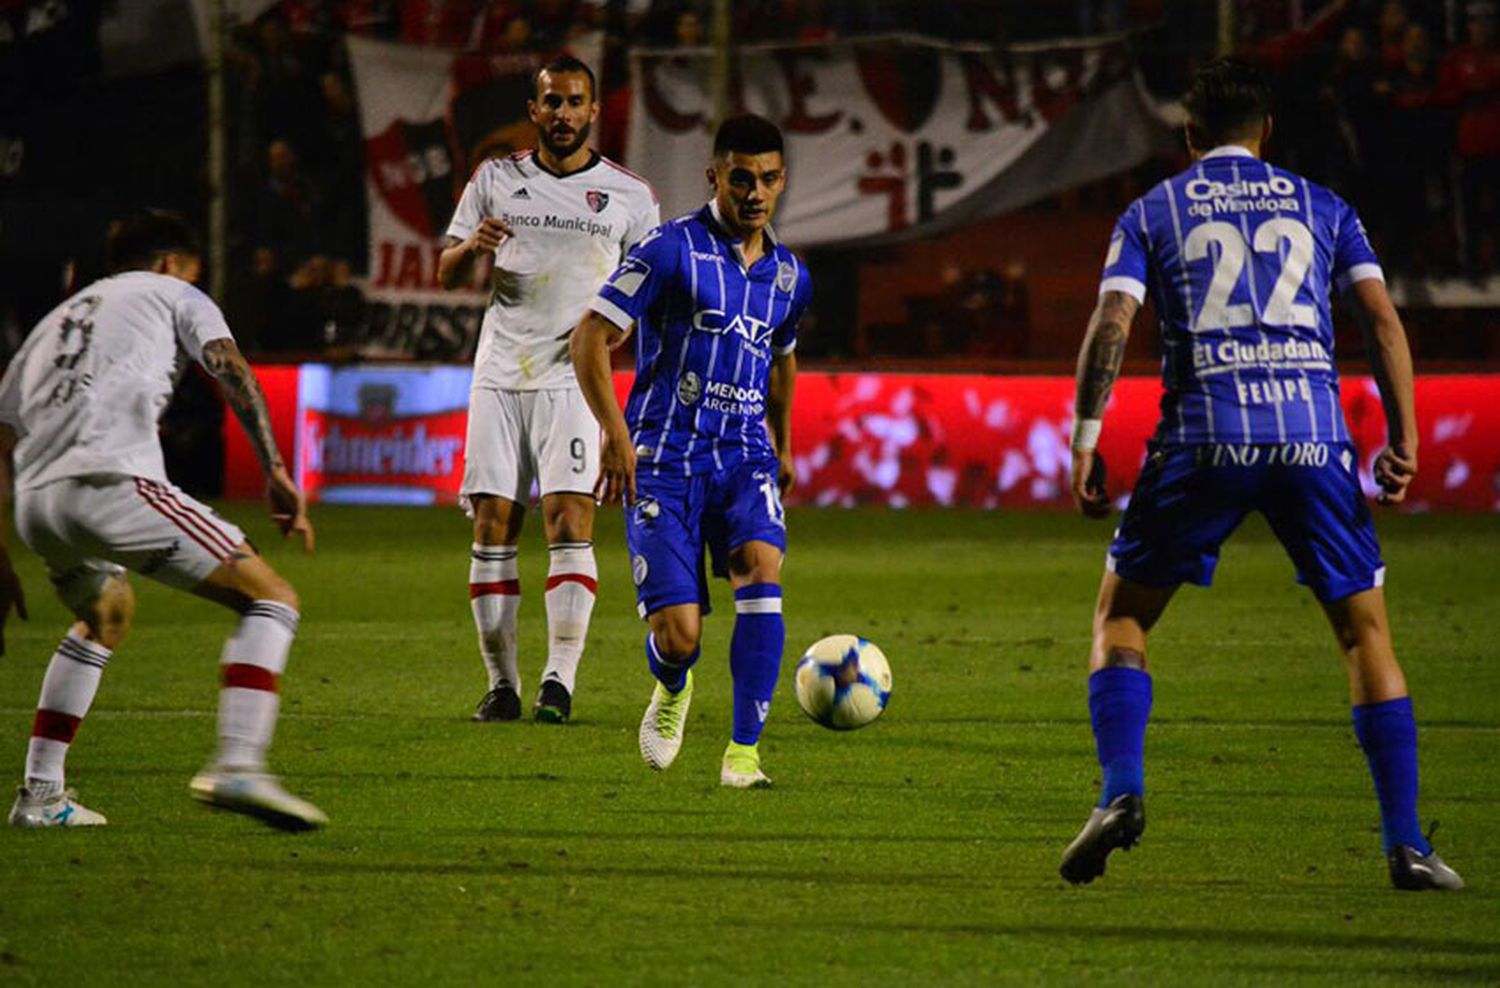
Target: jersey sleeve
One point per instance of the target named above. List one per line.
(470, 212)
(645, 218)
(1125, 263)
(10, 394)
(639, 280)
(784, 336)
(1353, 257)
(197, 321)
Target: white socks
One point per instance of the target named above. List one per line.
(572, 583)
(253, 661)
(67, 693)
(495, 597)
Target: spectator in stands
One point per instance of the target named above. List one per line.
(339, 171)
(1390, 26)
(287, 210)
(1351, 98)
(1469, 79)
(1417, 133)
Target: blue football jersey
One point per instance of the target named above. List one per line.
(1239, 258)
(706, 332)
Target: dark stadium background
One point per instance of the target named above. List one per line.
(105, 106)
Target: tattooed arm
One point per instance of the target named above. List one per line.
(222, 359)
(1099, 361)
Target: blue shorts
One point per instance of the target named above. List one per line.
(675, 518)
(1190, 498)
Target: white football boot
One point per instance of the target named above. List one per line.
(59, 810)
(256, 794)
(741, 768)
(664, 722)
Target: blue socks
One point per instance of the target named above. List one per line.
(672, 675)
(1388, 734)
(755, 656)
(1120, 704)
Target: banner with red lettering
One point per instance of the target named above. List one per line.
(900, 136)
(395, 435)
(430, 116)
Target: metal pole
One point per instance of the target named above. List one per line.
(720, 88)
(218, 158)
(1226, 27)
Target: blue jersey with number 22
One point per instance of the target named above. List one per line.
(1239, 258)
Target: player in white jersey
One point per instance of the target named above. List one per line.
(79, 406)
(556, 222)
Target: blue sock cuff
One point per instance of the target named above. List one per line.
(758, 591)
(1120, 680)
(1371, 719)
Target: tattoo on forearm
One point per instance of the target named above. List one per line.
(242, 391)
(1103, 353)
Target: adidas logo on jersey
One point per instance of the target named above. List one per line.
(521, 193)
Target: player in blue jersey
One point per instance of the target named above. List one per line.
(1239, 258)
(715, 300)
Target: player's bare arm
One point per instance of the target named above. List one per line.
(222, 359)
(1390, 359)
(456, 262)
(11, 594)
(1099, 361)
(589, 349)
(779, 416)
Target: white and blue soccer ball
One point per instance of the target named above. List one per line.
(843, 682)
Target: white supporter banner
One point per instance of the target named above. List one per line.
(896, 137)
(430, 116)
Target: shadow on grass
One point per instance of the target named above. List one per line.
(1198, 935)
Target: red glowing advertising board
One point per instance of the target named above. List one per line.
(395, 435)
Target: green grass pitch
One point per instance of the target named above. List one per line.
(922, 850)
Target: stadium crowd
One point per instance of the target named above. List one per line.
(1393, 103)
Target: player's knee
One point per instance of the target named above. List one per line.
(106, 621)
(677, 640)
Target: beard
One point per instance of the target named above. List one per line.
(579, 139)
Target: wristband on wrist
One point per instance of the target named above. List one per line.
(1086, 433)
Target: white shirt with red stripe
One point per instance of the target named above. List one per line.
(569, 234)
(86, 390)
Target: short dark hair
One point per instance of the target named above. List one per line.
(136, 241)
(748, 134)
(565, 63)
(1228, 98)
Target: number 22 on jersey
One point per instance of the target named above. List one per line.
(1281, 309)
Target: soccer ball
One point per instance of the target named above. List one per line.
(843, 682)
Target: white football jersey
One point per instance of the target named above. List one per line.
(570, 232)
(88, 387)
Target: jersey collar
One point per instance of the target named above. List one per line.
(716, 221)
(1229, 151)
(536, 160)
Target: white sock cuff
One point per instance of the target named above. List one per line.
(263, 638)
(274, 610)
(492, 563)
(74, 646)
(572, 557)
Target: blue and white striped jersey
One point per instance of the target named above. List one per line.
(706, 332)
(1239, 257)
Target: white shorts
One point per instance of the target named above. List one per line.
(89, 529)
(517, 437)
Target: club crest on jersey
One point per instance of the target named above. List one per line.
(786, 276)
(689, 388)
(597, 200)
(752, 329)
